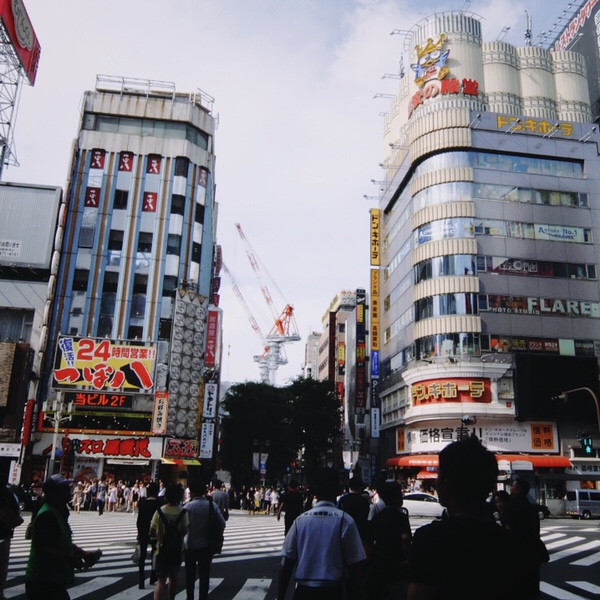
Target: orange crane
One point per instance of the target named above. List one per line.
(284, 329)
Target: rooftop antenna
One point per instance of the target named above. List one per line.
(527, 29)
(465, 6)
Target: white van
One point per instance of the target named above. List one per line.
(583, 503)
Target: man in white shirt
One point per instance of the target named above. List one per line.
(321, 543)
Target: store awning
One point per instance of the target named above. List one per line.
(431, 460)
(414, 460)
(424, 474)
(181, 461)
(537, 460)
(125, 461)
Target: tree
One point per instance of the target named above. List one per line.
(316, 419)
(257, 418)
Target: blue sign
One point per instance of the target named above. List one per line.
(374, 363)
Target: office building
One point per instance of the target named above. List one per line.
(485, 248)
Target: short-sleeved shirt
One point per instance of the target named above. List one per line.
(321, 541)
(171, 513)
(466, 558)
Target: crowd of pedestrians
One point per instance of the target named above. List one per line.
(338, 545)
(358, 546)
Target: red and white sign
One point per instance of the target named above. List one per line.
(153, 165)
(126, 161)
(20, 31)
(212, 338)
(97, 159)
(176, 448)
(150, 199)
(92, 197)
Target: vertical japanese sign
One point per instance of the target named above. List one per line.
(207, 436)
(212, 337)
(361, 352)
(375, 236)
(375, 309)
(161, 410)
(210, 401)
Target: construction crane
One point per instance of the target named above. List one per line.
(284, 329)
(261, 359)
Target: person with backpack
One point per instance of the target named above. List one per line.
(169, 525)
(205, 538)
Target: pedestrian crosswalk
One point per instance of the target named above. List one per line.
(254, 537)
(246, 537)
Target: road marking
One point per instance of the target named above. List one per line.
(553, 536)
(558, 593)
(91, 586)
(254, 589)
(212, 584)
(133, 593)
(564, 542)
(586, 561)
(586, 586)
(14, 591)
(570, 551)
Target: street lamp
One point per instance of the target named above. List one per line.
(54, 411)
(564, 395)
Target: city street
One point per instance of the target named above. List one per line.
(247, 568)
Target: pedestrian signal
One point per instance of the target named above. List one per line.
(588, 445)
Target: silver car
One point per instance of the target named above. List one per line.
(420, 504)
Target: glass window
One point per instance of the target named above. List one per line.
(169, 285)
(177, 204)
(115, 239)
(80, 280)
(111, 282)
(120, 199)
(138, 306)
(181, 166)
(107, 303)
(173, 244)
(145, 241)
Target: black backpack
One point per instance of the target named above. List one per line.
(169, 555)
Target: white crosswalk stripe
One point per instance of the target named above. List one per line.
(246, 538)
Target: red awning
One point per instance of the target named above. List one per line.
(423, 474)
(413, 460)
(431, 460)
(537, 460)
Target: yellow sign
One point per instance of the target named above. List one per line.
(529, 125)
(375, 306)
(375, 236)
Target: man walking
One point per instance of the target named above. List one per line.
(206, 524)
(291, 504)
(220, 498)
(321, 543)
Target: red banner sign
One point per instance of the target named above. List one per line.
(435, 391)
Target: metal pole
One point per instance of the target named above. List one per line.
(586, 389)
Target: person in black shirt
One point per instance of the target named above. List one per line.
(388, 541)
(467, 555)
(521, 518)
(356, 505)
(291, 504)
(146, 509)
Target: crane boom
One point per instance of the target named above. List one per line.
(255, 265)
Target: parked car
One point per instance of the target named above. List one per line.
(420, 504)
(29, 500)
(543, 511)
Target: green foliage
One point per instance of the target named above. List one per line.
(302, 416)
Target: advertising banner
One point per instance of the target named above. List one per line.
(207, 437)
(99, 364)
(180, 449)
(212, 336)
(22, 36)
(434, 391)
(375, 236)
(210, 401)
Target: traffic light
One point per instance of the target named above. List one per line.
(588, 445)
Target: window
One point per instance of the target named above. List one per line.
(86, 237)
(144, 242)
(169, 285)
(177, 204)
(115, 240)
(181, 166)
(199, 218)
(120, 199)
(196, 249)
(173, 244)
(80, 280)
(111, 281)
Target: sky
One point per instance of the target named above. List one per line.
(299, 138)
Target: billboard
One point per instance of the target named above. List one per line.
(581, 34)
(101, 364)
(28, 225)
(22, 36)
